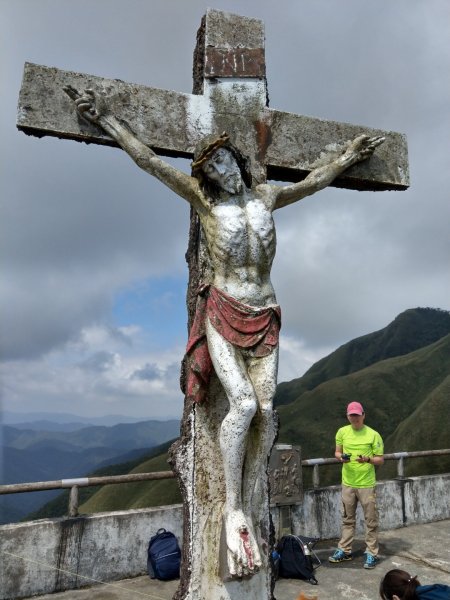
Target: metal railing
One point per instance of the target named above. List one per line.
(399, 456)
(75, 484)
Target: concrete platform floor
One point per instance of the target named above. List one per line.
(422, 550)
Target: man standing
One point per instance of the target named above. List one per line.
(360, 449)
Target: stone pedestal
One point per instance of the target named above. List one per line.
(197, 460)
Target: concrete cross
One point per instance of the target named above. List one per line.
(230, 94)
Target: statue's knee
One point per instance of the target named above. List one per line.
(248, 406)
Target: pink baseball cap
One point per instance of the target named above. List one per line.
(355, 408)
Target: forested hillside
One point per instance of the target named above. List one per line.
(411, 330)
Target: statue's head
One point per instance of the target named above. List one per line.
(212, 155)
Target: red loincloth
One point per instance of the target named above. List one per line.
(242, 325)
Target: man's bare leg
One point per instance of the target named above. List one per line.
(243, 553)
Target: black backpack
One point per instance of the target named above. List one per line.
(295, 560)
(164, 556)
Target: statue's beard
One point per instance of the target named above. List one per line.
(233, 183)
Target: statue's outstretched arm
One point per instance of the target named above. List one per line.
(93, 108)
(357, 150)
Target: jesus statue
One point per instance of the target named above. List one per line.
(236, 328)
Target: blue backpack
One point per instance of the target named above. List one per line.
(292, 558)
(164, 556)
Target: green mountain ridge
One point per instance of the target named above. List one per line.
(406, 398)
(427, 428)
(137, 495)
(412, 329)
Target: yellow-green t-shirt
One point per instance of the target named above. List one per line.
(364, 441)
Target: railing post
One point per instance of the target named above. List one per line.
(400, 467)
(73, 501)
(316, 476)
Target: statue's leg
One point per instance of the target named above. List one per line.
(263, 374)
(243, 552)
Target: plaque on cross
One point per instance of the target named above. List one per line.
(221, 459)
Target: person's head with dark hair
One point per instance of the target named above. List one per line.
(219, 165)
(398, 585)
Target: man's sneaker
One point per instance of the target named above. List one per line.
(339, 556)
(371, 561)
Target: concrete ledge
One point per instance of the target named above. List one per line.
(51, 555)
(401, 502)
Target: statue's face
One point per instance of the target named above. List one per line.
(223, 169)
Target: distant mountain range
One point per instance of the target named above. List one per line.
(401, 375)
(42, 455)
(124, 436)
(48, 421)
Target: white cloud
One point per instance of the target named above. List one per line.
(84, 378)
(296, 357)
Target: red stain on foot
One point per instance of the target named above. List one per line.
(247, 548)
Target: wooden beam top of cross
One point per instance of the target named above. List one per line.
(230, 94)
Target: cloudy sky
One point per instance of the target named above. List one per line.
(93, 276)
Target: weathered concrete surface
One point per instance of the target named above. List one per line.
(401, 502)
(422, 550)
(153, 114)
(50, 555)
(229, 65)
(112, 546)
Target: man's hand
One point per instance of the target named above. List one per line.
(363, 459)
(362, 147)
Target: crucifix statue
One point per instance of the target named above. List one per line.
(230, 369)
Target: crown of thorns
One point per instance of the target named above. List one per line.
(205, 152)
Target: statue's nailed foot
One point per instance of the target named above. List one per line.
(243, 555)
